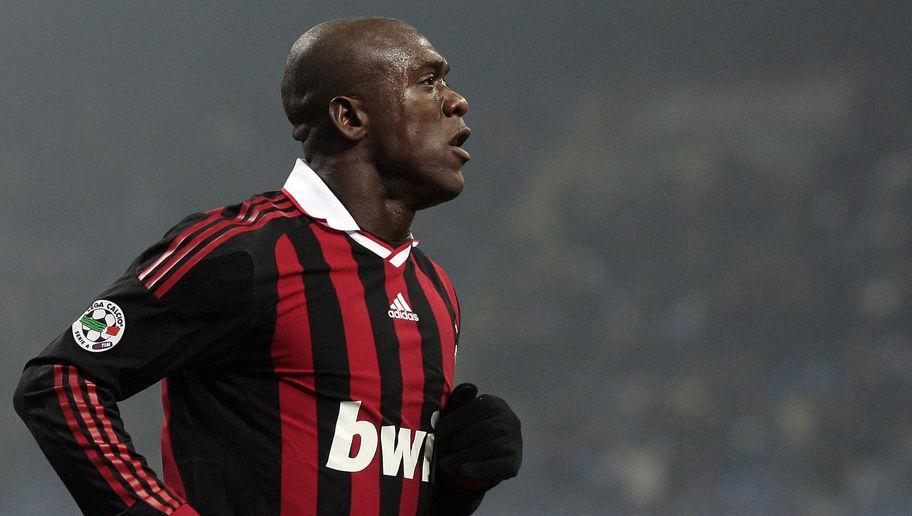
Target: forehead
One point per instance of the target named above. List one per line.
(425, 55)
(409, 54)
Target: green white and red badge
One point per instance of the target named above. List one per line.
(101, 327)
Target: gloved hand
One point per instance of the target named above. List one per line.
(478, 442)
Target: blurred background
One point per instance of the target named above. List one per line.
(684, 251)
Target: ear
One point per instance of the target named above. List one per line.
(348, 116)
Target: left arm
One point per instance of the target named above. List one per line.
(478, 445)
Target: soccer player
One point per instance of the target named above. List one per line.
(304, 343)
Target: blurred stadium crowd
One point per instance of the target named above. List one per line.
(731, 305)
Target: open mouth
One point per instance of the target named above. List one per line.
(458, 140)
(461, 137)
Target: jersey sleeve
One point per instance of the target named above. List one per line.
(127, 338)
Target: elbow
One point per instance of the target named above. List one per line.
(20, 402)
(21, 397)
(34, 385)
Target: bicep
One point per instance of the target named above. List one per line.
(128, 338)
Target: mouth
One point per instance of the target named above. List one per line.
(458, 140)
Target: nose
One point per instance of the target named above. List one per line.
(455, 104)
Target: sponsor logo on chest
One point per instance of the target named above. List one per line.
(400, 449)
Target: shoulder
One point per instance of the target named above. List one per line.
(222, 243)
(440, 279)
(431, 267)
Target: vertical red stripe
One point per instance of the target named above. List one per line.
(292, 358)
(412, 366)
(451, 293)
(90, 452)
(172, 474)
(444, 326)
(364, 369)
(108, 452)
(153, 483)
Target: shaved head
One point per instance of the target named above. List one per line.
(350, 58)
(369, 102)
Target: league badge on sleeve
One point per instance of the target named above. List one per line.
(100, 327)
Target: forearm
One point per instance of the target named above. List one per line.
(78, 427)
(478, 445)
(451, 500)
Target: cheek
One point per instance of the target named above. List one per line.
(420, 116)
(416, 140)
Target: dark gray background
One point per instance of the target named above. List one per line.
(683, 251)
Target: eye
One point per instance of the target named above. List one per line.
(428, 80)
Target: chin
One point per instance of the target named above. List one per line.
(455, 188)
(443, 191)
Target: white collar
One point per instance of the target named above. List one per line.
(311, 195)
(314, 198)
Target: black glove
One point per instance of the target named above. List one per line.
(478, 445)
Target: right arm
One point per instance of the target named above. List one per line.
(68, 394)
(77, 425)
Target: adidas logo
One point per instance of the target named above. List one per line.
(401, 310)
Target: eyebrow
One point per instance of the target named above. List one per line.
(438, 64)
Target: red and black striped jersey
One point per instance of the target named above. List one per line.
(301, 360)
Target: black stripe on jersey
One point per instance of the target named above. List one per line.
(432, 363)
(424, 263)
(330, 353)
(199, 246)
(120, 450)
(373, 278)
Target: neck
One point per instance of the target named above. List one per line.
(360, 188)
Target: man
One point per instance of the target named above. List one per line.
(305, 345)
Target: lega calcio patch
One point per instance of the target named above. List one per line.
(101, 327)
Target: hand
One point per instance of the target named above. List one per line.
(479, 441)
